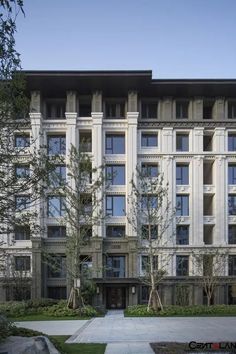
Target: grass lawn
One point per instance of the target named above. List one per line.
(79, 348)
(39, 317)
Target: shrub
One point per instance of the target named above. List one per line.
(61, 310)
(5, 328)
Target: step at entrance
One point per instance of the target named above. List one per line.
(115, 313)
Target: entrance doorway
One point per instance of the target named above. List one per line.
(115, 297)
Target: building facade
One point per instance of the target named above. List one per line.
(185, 129)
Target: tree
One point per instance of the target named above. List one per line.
(210, 265)
(82, 212)
(150, 215)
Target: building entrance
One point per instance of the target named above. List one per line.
(115, 297)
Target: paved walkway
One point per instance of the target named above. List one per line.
(54, 327)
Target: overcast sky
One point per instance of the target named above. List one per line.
(174, 38)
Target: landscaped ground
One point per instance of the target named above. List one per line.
(182, 348)
(79, 348)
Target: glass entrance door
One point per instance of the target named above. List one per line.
(115, 297)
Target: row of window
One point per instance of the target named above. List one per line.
(115, 143)
(115, 265)
(55, 109)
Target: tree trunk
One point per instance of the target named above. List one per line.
(75, 300)
(154, 302)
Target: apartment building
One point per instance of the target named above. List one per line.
(185, 129)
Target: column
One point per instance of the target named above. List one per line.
(71, 117)
(219, 109)
(198, 109)
(220, 207)
(36, 268)
(196, 201)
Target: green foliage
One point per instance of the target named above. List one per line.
(201, 310)
(5, 328)
(182, 295)
(47, 307)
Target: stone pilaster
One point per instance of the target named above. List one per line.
(36, 268)
(219, 109)
(221, 213)
(198, 109)
(196, 201)
(198, 140)
(167, 109)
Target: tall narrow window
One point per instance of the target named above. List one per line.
(231, 109)
(182, 174)
(232, 142)
(182, 205)
(182, 142)
(182, 235)
(182, 109)
(182, 265)
(232, 204)
(232, 234)
(232, 174)
(149, 110)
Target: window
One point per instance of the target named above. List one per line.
(86, 206)
(232, 142)
(149, 170)
(182, 205)
(146, 263)
(145, 290)
(149, 201)
(232, 174)
(182, 265)
(153, 232)
(56, 145)
(208, 232)
(86, 232)
(115, 144)
(149, 140)
(208, 265)
(55, 109)
(115, 266)
(182, 235)
(232, 204)
(207, 172)
(56, 206)
(232, 294)
(22, 140)
(149, 110)
(115, 205)
(232, 265)
(232, 234)
(56, 231)
(85, 107)
(22, 233)
(22, 171)
(208, 204)
(182, 109)
(208, 109)
(207, 141)
(22, 202)
(231, 109)
(57, 292)
(182, 174)
(57, 177)
(115, 231)
(85, 141)
(22, 263)
(182, 142)
(57, 266)
(115, 174)
(86, 172)
(115, 110)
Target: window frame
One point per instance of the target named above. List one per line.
(182, 239)
(183, 136)
(145, 136)
(62, 202)
(181, 213)
(110, 147)
(179, 181)
(62, 144)
(112, 176)
(182, 271)
(112, 196)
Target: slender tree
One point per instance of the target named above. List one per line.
(150, 215)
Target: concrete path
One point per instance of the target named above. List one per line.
(54, 327)
(128, 348)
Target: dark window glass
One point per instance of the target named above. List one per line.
(232, 294)
(232, 234)
(115, 144)
(149, 110)
(182, 174)
(182, 235)
(182, 142)
(146, 262)
(85, 141)
(115, 110)
(232, 142)
(56, 206)
(55, 109)
(86, 206)
(57, 292)
(22, 171)
(231, 110)
(208, 110)
(22, 140)
(22, 233)
(22, 263)
(232, 174)
(56, 145)
(145, 290)
(57, 177)
(85, 109)
(232, 204)
(115, 266)
(115, 205)
(115, 174)
(149, 170)
(153, 232)
(22, 202)
(232, 265)
(182, 109)
(56, 231)
(182, 205)
(115, 231)
(149, 140)
(21, 293)
(207, 142)
(57, 266)
(182, 266)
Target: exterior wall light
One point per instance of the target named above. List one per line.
(133, 290)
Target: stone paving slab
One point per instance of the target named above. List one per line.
(67, 327)
(128, 348)
(150, 330)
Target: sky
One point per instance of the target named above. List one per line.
(173, 38)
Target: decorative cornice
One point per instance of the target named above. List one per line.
(189, 124)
